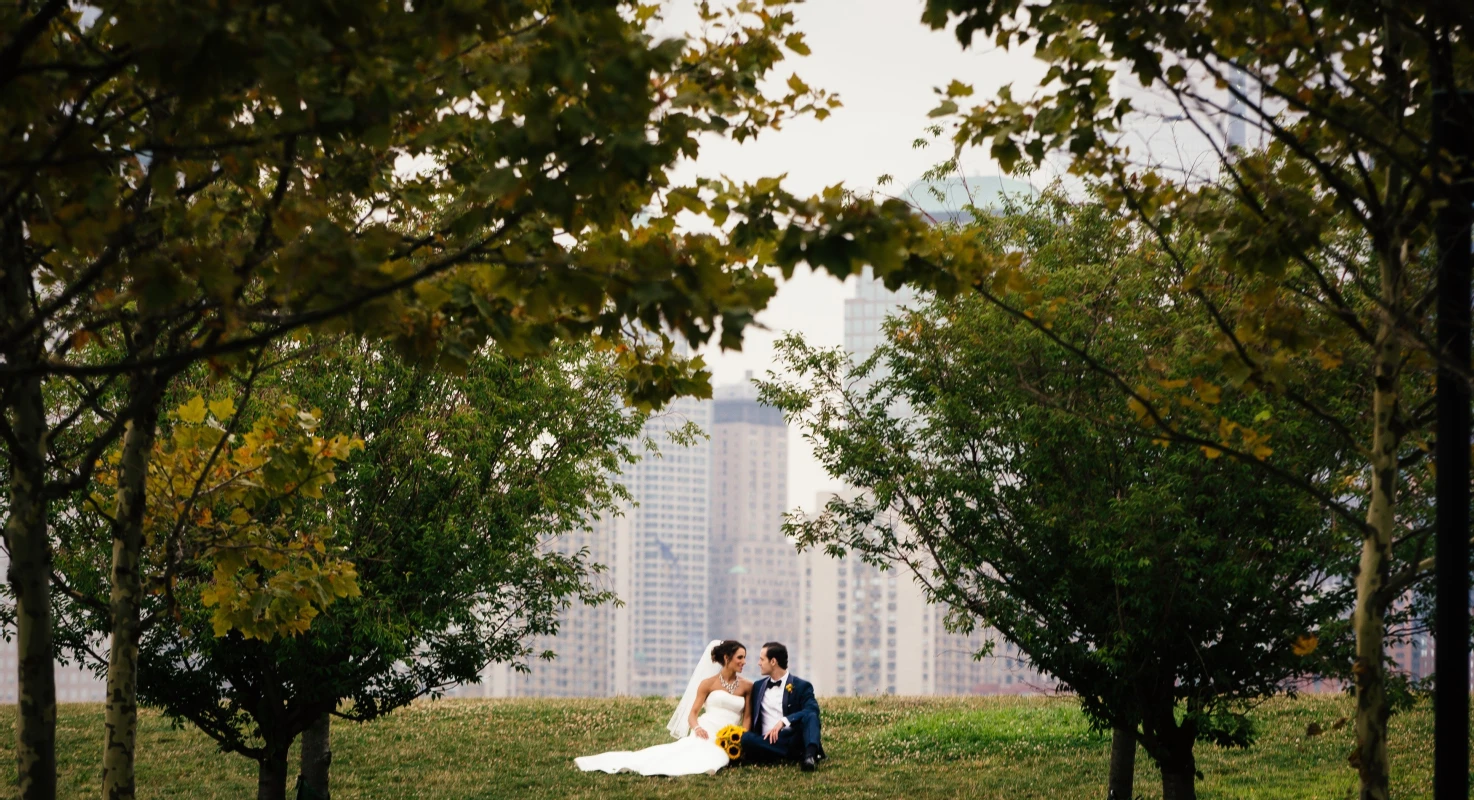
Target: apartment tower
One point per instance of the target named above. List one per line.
(752, 583)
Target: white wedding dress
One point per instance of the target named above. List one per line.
(691, 755)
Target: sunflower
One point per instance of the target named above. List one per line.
(730, 740)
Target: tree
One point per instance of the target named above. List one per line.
(446, 515)
(220, 504)
(1167, 590)
(441, 175)
(1332, 220)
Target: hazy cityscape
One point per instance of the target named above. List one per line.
(699, 554)
(716, 509)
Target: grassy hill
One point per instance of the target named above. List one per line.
(915, 748)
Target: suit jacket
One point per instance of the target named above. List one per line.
(798, 695)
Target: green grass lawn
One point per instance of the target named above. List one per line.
(886, 747)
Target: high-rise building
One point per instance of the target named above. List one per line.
(1413, 656)
(752, 588)
(75, 683)
(592, 644)
(865, 631)
(657, 555)
(868, 631)
(958, 669)
(1187, 135)
(668, 563)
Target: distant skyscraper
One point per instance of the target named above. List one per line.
(1186, 137)
(867, 310)
(865, 631)
(668, 562)
(74, 683)
(657, 559)
(753, 589)
(871, 632)
(868, 631)
(592, 655)
(957, 670)
(1236, 131)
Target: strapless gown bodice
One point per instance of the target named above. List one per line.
(689, 756)
(722, 709)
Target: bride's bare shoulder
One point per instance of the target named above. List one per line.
(745, 688)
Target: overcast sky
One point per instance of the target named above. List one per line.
(884, 64)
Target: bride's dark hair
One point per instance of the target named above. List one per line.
(724, 651)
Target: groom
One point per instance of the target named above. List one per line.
(785, 716)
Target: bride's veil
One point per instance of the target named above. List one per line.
(705, 668)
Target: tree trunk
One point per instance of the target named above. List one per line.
(1122, 782)
(317, 755)
(1370, 756)
(1171, 746)
(30, 579)
(120, 724)
(1178, 784)
(29, 571)
(271, 777)
(1179, 766)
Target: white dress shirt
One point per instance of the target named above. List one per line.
(773, 702)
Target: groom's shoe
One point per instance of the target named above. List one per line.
(808, 764)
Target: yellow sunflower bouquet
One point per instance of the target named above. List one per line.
(730, 739)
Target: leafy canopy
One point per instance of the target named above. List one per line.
(450, 514)
(1168, 590)
(221, 510)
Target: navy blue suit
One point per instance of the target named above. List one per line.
(802, 711)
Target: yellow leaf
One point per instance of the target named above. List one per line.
(1305, 644)
(223, 409)
(192, 412)
(239, 516)
(431, 295)
(1263, 451)
(1211, 452)
(1207, 392)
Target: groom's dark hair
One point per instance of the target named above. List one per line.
(777, 652)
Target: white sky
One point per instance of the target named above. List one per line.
(884, 64)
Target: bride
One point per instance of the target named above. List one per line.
(717, 685)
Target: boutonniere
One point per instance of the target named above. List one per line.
(788, 688)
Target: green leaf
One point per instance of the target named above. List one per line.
(945, 108)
